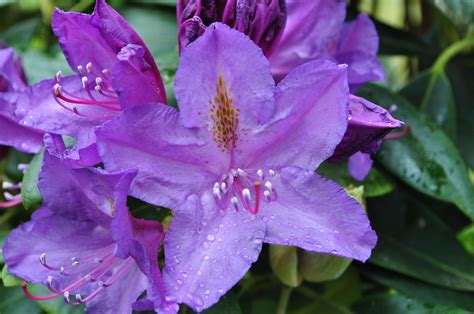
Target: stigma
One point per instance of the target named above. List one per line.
(96, 99)
(245, 189)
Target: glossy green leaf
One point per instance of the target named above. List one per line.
(425, 158)
(284, 263)
(423, 291)
(434, 93)
(39, 66)
(399, 304)
(415, 242)
(30, 193)
(8, 279)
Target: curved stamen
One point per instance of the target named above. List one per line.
(11, 203)
(396, 135)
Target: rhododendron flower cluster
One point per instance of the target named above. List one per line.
(264, 96)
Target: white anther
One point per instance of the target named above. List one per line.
(80, 68)
(105, 71)
(260, 174)
(393, 108)
(66, 295)
(223, 187)
(246, 194)
(217, 192)
(58, 76)
(8, 196)
(49, 279)
(42, 258)
(98, 260)
(98, 80)
(76, 263)
(78, 297)
(240, 171)
(97, 88)
(89, 67)
(7, 185)
(266, 194)
(100, 283)
(56, 89)
(271, 172)
(88, 277)
(269, 185)
(22, 167)
(216, 185)
(235, 202)
(84, 81)
(62, 271)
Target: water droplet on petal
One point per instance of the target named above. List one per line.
(210, 237)
(206, 257)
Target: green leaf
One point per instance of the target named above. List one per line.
(423, 291)
(425, 158)
(8, 279)
(39, 66)
(169, 3)
(466, 237)
(375, 184)
(13, 301)
(459, 12)
(399, 304)
(227, 304)
(413, 241)
(284, 263)
(29, 186)
(434, 93)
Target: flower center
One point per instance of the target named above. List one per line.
(100, 101)
(225, 118)
(94, 273)
(243, 189)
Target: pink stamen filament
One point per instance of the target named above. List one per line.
(396, 135)
(17, 200)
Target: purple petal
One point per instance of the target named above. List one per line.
(85, 193)
(189, 31)
(174, 161)
(13, 133)
(119, 297)
(208, 251)
(309, 121)
(12, 77)
(118, 33)
(368, 124)
(224, 67)
(311, 31)
(316, 214)
(359, 165)
(357, 46)
(59, 237)
(131, 78)
(81, 42)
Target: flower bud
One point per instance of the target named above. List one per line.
(262, 20)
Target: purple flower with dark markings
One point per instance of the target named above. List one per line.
(84, 245)
(12, 84)
(262, 20)
(114, 71)
(236, 164)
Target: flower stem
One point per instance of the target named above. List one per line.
(283, 300)
(440, 65)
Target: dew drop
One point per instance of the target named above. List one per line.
(206, 257)
(210, 237)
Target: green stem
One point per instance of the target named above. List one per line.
(440, 64)
(283, 300)
(451, 52)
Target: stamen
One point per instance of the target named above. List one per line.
(9, 197)
(12, 203)
(84, 80)
(10, 186)
(246, 194)
(269, 186)
(260, 174)
(89, 67)
(235, 203)
(105, 71)
(80, 69)
(266, 193)
(22, 167)
(402, 133)
(24, 287)
(58, 76)
(271, 172)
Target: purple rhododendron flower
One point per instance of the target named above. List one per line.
(85, 246)
(12, 83)
(262, 20)
(237, 162)
(115, 70)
